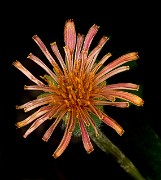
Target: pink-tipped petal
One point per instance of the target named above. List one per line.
(85, 137)
(89, 37)
(80, 39)
(70, 35)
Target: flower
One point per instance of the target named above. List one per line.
(76, 87)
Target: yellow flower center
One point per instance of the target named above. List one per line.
(74, 88)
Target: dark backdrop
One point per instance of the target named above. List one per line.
(131, 27)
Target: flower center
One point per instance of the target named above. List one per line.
(75, 88)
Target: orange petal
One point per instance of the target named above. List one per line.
(112, 123)
(66, 137)
(133, 98)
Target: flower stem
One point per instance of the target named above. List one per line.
(108, 147)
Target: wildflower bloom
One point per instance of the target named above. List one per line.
(76, 87)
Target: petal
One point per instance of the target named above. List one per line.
(49, 132)
(68, 58)
(36, 103)
(107, 120)
(110, 74)
(36, 124)
(119, 61)
(116, 104)
(66, 137)
(91, 122)
(33, 116)
(129, 86)
(127, 96)
(47, 53)
(19, 66)
(91, 59)
(53, 111)
(112, 123)
(41, 64)
(55, 49)
(83, 116)
(40, 88)
(101, 62)
(89, 37)
(80, 39)
(85, 137)
(63, 144)
(70, 35)
(94, 53)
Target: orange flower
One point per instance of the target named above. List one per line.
(76, 88)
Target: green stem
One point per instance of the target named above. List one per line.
(108, 147)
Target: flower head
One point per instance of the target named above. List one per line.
(76, 88)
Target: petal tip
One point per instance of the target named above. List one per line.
(121, 132)
(90, 150)
(55, 156)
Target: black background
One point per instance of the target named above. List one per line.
(132, 27)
